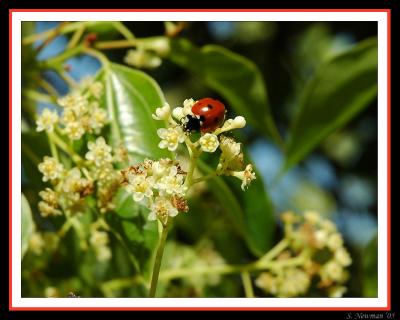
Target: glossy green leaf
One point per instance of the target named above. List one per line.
(250, 211)
(340, 89)
(27, 225)
(131, 97)
(34, 148)
(370, 269)
(231, 75)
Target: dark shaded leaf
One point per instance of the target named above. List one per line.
(340, 89)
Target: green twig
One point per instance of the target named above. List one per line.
(53, 147)
(122, 29)
(76, 37)
(64, 146)
(71, 27)
(248, 286)
(37, 96)
(158, 259)
(116, 44)
(98, 55)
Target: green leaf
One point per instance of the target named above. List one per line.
(131, 97)
(250, 211)
(34, 148)
(370, 269)
(340, 89)
(234, 77)
(27, 225)
(135, 231)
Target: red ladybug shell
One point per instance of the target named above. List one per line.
(211, 113)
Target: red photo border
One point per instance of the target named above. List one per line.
(386, 308)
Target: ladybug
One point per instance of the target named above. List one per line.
(208, 115)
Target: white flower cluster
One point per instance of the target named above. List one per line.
(231, 159)
(318, 248)
(81, 113)
(159, 185)
(73, 185)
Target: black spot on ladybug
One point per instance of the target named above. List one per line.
(202, 118)
(216, 120)
(209, 106)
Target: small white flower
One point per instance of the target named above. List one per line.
(335, 241)
(98, 118)
(312, 217)
(160, 168)
(159, 45)
(209, 142)
(142, 59)
(321, 237)
(172, 183)
(267, 282)
(343, 257)
(50, 168)
(68, 116)
(47, 120)
(100, 152)
(46, 210)
(231, 158)
(49, 196)
(332, 270)
(73, 181)
(162, 113)
(230, 124)
(294, 282)
(171, 137)
(74, 130)
(177, 113)
(103, 253)
(337, 291)
(75, 102)
(96, 89)
(239, 122)
(140, 186)
(162, 208)
(99, 238)
(187, 106)
(247, 175)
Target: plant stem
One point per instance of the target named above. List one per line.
(248, 286)
(56, 32)
(53, 147)
(116, 44)
(120, 27)
(204, 178)
(68, 79)
(157, 262)
(76, 37)
(98, 55)
(55, 62)
(48, 87)
(71, 27)
(37, 96)
(62, 145)
(277, 249)
(65, 227)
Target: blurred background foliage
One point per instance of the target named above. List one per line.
(336, 175)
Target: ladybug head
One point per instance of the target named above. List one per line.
(192, 123)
